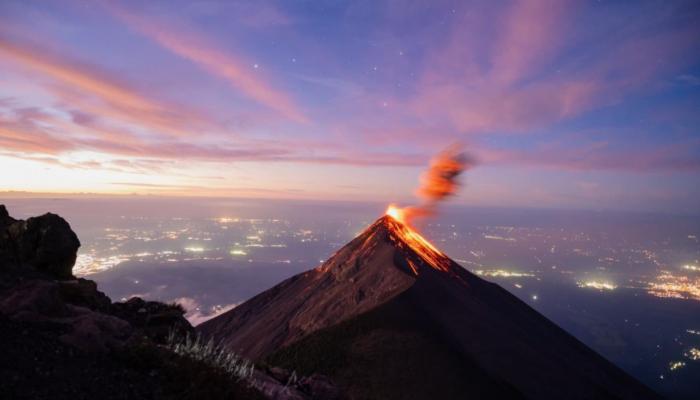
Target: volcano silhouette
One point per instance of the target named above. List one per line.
(388, 316)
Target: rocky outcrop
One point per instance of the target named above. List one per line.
(37, 286)
(64, 333)
(154, 319)
(44, 244)
(42, 302)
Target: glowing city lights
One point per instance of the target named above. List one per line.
(598, 285)
(194, 249)
(674, 365)
(675, 286)
(693, 353)
(502, 273)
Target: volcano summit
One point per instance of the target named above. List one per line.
(389, 316)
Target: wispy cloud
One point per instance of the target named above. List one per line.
(600, 156)
(522, 88)
(97, 92)
(238, 72)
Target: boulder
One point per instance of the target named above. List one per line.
(45, 244)
(154, 319)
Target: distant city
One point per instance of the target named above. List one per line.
(593, 261)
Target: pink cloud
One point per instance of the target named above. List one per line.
(191, 46)
(101, 94)
(530, 33)
(600, 156)
(519, 89)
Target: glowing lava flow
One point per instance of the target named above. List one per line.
(415, 241)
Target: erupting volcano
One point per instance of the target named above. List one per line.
(390, 316)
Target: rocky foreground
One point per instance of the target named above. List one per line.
(60, 337)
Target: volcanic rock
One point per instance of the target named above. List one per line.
(45, 244)
(154, 319)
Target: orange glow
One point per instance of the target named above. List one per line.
(406, 234)
(395, 213)
(440, 180)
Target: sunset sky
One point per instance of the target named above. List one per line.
(564, 104)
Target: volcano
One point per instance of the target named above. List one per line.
(389, 316)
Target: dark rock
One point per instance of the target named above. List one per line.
(319, 387)
(280, 374)
(274, 389)
(42, 302)
(45, 244)
(33, 301)
(5, 218)
(83, 292)
(154, 319)
(95, 332)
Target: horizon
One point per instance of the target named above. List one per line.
(380, 205)
(565, 104)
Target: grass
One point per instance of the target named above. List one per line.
(211, 354)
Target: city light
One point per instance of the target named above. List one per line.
(675, 286)
(693, 354)
(194, 249)
(599, 285)
(674, 365)
(502, 273)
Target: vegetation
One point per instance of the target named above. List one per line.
(213, 355)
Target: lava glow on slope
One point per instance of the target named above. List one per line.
(415, 241)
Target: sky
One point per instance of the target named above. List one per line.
(592, 104)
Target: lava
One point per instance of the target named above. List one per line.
(415, 241)
(437, 183)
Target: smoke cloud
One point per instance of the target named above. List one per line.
(440, 180)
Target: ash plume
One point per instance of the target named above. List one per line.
(440, 180)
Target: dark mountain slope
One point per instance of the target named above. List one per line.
(389, 316)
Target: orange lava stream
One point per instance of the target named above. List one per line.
(416, 242)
